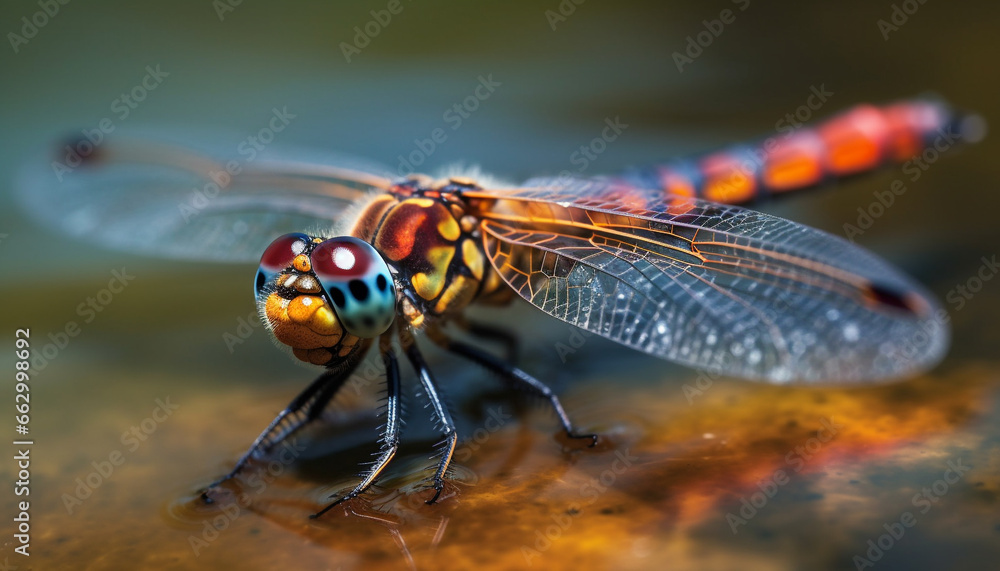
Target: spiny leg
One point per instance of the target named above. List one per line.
(506, 337)
(447, 424)
(313, 399)
(513, 375)
(390, 434)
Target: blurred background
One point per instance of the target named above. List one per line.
(687, 475)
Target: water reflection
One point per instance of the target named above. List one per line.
(740, 464)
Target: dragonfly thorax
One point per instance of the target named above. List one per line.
(427, 233)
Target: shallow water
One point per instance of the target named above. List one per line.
(690, 473)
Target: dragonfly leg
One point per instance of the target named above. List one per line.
(390, 433)
(506, 337)
(304, 408)
(513, 375)
(447, 425)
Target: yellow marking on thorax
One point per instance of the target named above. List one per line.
(473, 258)
(428, 285)
(460, 292)
(448, 228)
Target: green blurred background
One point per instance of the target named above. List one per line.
(560, 79)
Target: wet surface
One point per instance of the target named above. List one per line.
(700, 472)
(166, 384)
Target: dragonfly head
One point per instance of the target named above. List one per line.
(321, 297)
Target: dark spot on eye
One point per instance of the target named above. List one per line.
(369, 322)
(381, 283)
(260, 281)
(359, 289)
(338, 297)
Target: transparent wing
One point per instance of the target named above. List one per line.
(169, 200)
(710, 286)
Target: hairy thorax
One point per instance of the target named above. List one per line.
(434, 245)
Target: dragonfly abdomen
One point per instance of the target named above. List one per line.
(861, 139)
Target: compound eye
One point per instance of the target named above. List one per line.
(278, 257)
(357, 281)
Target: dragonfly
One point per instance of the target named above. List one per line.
(665, 259)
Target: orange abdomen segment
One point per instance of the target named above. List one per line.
(861, 139)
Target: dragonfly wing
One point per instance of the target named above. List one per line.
(168, 200)
(711, 286)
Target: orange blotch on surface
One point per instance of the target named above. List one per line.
(662, 480)
(698, 464)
